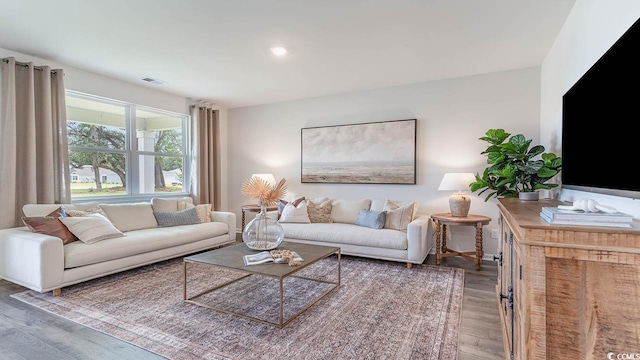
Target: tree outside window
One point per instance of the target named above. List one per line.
(104, 163)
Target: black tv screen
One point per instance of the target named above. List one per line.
(600, 118)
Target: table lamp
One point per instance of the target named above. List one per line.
(269, 178)
(459, 202)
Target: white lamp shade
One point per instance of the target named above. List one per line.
(269, 178)
(456, 181)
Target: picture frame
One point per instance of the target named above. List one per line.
(367, 153)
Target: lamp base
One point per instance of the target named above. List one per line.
(459, 204)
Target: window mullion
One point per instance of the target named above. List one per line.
(133, 182)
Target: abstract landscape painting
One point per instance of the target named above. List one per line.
(370, 153)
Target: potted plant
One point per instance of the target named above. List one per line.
(516, 170)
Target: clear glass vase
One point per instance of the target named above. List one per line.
(263, 232)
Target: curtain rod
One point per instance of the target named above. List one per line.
(6, 60)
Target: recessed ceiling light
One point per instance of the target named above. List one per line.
(278, 50)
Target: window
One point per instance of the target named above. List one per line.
(122, 149)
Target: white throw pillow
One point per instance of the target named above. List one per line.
(91, 228)
(128, 217)
(398, 217)
(204, 212)
(170, 204)
(346, 211)
(295, 214)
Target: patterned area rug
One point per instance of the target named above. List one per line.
(382, 310)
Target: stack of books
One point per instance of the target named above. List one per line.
(555, 216)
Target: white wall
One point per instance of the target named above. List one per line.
(452, 114)
(590, 30)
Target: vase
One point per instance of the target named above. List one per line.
(263, 232)
(530, 196)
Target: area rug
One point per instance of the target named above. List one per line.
(381, 310)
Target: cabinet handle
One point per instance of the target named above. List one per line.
(509, 297)
(498, 258)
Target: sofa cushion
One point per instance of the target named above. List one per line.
(350, 234)
(44, 209)
(91, 228)
(371, 219)
(170, 204)
(140, 241)
(175, 218)
(128, 217)
(346, 211)
(320, 213)
(398, 218)
(295, 214)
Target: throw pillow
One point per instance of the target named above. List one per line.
(50, 225)
(371, 219)
(320, 213)
(282, 203)
(130, 216)
(346, 211)
(91, 228)
(204, 212)
(175, 218)
(295, 214)
(84, 212)
(171, 204)
(398, 218)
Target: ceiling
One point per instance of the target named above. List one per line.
(218, 50)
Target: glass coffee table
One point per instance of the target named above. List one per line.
(245, 288)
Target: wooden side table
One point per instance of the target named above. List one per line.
(254, 208)
(444, 219)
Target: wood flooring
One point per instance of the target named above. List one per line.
(29, 333)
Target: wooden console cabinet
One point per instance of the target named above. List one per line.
(566, 292)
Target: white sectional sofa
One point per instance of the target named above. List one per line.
(42, 263)
(410, 244)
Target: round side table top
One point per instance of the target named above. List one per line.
(470, 219)
(256, 208)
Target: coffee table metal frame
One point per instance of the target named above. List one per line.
(283, 271)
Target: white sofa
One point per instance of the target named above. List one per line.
(42, 263)
(410, 245)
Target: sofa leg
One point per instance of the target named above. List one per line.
(56, 292)
(409, 265)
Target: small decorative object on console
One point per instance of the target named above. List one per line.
(586, 212)
(588, 205)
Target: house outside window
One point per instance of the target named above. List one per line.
(119, 149)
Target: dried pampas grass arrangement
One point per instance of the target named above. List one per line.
(257, 188)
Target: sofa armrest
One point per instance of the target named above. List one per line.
(30, 259)
(418, 246)
(228, 218)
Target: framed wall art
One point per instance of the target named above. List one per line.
(369, 153)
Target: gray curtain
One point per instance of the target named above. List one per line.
(34, 159)
(206, 177)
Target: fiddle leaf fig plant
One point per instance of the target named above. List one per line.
(515, 166)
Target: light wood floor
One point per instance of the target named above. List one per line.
(30, 333)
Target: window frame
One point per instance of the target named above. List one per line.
(132, 154)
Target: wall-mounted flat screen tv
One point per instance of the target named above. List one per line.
(600, 122)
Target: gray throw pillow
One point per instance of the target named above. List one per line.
(175, 218)
(371, 219)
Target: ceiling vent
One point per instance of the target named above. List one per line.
(153, 81)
